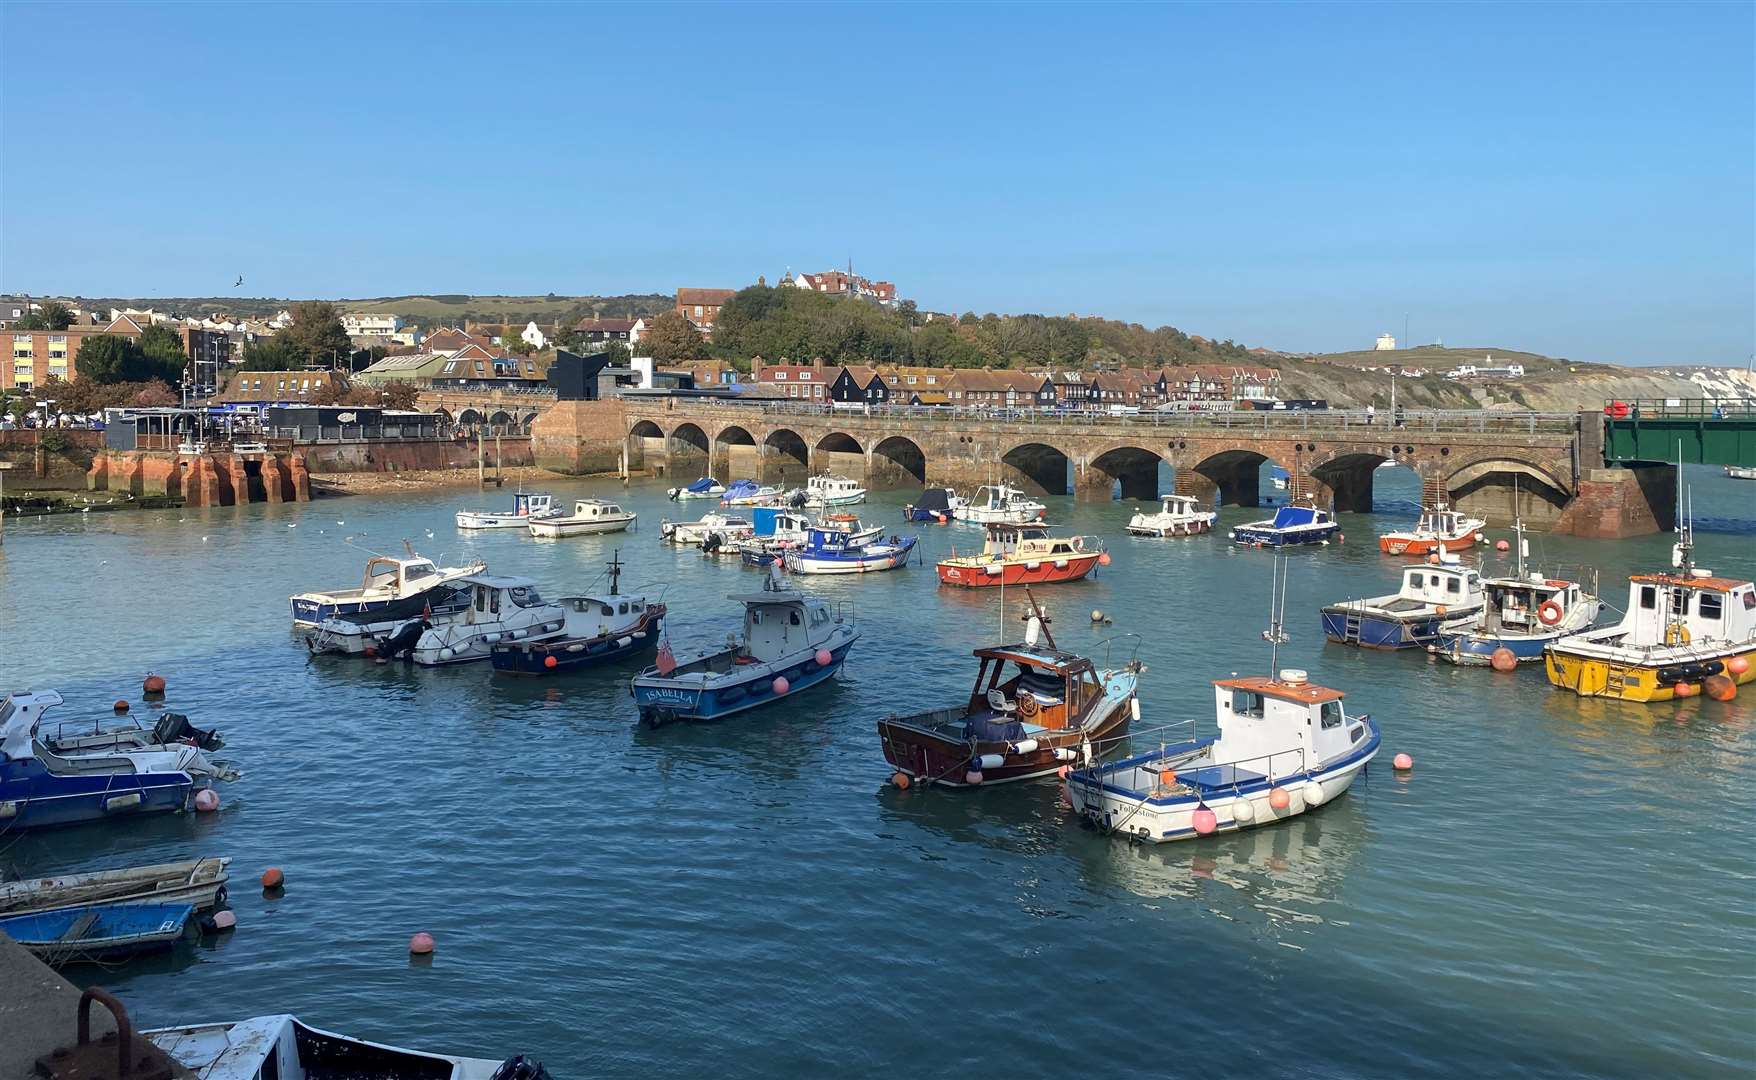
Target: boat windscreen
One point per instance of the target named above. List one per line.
(1288, 516)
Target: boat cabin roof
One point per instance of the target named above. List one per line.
(1037, 656)
(1025, 529)
(1715, 584)
(1302, 693)
(498, 581)
(776, 596)
(1288, 516)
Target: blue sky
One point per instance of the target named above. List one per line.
(1573, 179)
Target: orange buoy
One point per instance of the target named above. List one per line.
(1434, 559)
(1339, 538)
(371, 651)
(1167, 777)
(1684, 689)
(1104, 559)
(1737, 665)
(207, 800)
(1279, 799)
(550, 661)
(1402, 762)
(780, 684)
(421, 944)
(121, 706)
(1440, 609)
(272, 878)
(1064, 771)
(901, 780)
(1503, 659)
(1719, 688)
(153, 684)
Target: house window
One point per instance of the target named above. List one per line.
(911, 380)
(804, 375)
(57, 339)
(481, 368)
(780, 376)
(450, 366)
(698, 311)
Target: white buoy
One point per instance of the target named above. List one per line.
(1243, 810)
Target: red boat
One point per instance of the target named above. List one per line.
(1034, 709)
(1026, 554)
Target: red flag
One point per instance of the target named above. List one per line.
(667, 660)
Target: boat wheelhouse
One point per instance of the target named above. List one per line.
(790, 642)
(1284, 746)
(1431, 595)
(998, 503)
(829, 490)
(835, 551)
(1177, 515)
(1521, 614)
(527, 506)
(937, 504)
(1438, 529)
(494, 609)
(386, 580)
(589, 517)
(595, 630)
(705, 488)
(1034, 709)
(1290, 526)
(1023, 554)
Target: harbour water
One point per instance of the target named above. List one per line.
(1559, 888)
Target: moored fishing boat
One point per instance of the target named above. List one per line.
(790, 642)
(200, 883)
(527, 506)
(1290, 526)
(705, 488)
(729, 527)
(1437, 529)
(595, 630)
(1034, 708)
(998, 503)
(1683, 631)
(1520, 616)
(1024, 554)
(826, 490)
(937, 504)
(281, 1046)
(1431, 595)
(589, 517)
(750, 493)
(386, 581)
(494, 609)
(834, 551)
(99, 931)
(1741, 472)
(773, 531)
(1177, 515)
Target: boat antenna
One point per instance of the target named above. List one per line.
(1276, 634)
(1042, 619)
(615, 569)
(1682, 552)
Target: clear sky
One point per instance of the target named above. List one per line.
(1573, 179)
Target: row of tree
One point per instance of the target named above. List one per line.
(316, 338)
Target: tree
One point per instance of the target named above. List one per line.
(154, 395)
(53, 315)
(617, 352)
(513, 343)
(317, 334)
(401, 395)
(671, 338)
(111, 358)
(273, 354)
(164, 350)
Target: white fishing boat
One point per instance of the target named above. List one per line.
(527, 506)
(729, 527)
(281, 1046)
(705, 488)
(998, 504)
(200, 883)
(1741, 472)
(750, 493)
(589, 517)
(1178, 515)
(828, 490)
(387, 580)
(497, 609)
(1432, 594)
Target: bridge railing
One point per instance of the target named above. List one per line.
(1478, 421)
(1681, 409)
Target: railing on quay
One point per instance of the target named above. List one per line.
(1743, 408)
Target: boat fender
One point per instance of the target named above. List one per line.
(1033, 565)
(624, 642)
(1060, 564)
(1712, 667)
(972, 778)
(993, 571)
(122, 802)
(1669, 675)
(1028, 746)
(988, 761)
(1134, 709)
(1279, 799)
(1064, 753)
(9, 808)
(1243, 810)
(576, 647)
(1313, 793)
(1550, 613)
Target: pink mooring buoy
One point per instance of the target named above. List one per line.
(207, 800)
(780, 684)
(1501, 545)
(224, 920)
(421, 944)
(1402, 762)
(825, 658)
(1204, 821)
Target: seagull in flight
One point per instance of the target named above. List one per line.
(238, 282)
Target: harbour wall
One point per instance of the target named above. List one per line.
(214, 479)
(404, 455)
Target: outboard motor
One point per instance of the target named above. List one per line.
(520, 1068)
(711, 544)
(403, 642)
(175, 727)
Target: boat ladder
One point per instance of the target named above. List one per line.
(1351, 629)
(1615, 679)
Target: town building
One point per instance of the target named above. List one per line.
(1386, 343)
(918, 385)
(859, 386)
(985, 387)
(843, 283)
(533, 335)
(362, 324)
(802, 382)
(41, 355)
(261, 387)
(1487, 369)
(712, 375)
(701, 306)
(14, 308)
(600, 332)
(1215, 385)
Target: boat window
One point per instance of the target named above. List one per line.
(794, 618)
(481, 599)
(1331, 714)
(1679, 601)
(608, 611)
(1453, 585)
(622, 608)
(1415, 580)
(637, 606)
(523, 596)
(1709, 606)
(755, 617)
(1244, 703)
(1648, 597)
(1750, 599)
(1358, 733)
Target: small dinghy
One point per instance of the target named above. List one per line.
(596, 630)
(936, 504)
(1438, 529)
(1290, 526)
(590, 517)
(1178, 515)
(1432, 594)
(98, 931)
(791, 642)
(705, 488)
(281, 1046)
(200, 883)
(834, 551)
(750, 493)
(527, 506)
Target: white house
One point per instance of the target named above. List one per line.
(1486, 370)
(533, 336)
(1386, 343)
(358, 324)
(640, 327)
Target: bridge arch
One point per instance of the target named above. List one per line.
(686, 451)
(1349, 474)
(1501, 489)
(735, 454)
(1132, 470)
(444, 416)
(786, 457)
(839, 452)
(1038, 468)
(527, 420)
(501, 421)
(897, 462)
(1233, 477)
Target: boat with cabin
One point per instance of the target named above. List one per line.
(113, 733)
(387, 580)
(730, 528)
(936, 504)
(494, 609)
(1024, 554)
(283, 1048)
(1432, 594)
(200, 883)
(773, 530)
(99, 931)
(1290, 526)
(1682, 629)
(705, 488)
(1521, 614)
(590, 517)
(39, 787)
(1177, 515)
(1034, 709)
(750, 493)
(527, 506)
(825, 491)
(1438, 529)
(790, 642)
(834, 550)
(595, 630)
(998, 504)
(1741, 472)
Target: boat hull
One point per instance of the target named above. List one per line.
(930, 757)
(31, 797)
(917, 513)
(1602, 677)
(1470, 650)
(111, 930)
(561, 527)
(662, 700)
(1369, 629)
(576, 654)
(974, 573)
(310, 609)
(467, 520)
(1175, 528)
(1250, 537)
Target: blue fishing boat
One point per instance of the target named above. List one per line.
(1522, 615)
(936, 504)
(1290, 525)
(790, 642)
(40, 787)
(595, 630)
(1432, 594)
(387, 582)
(98, 931)
(833, 550)
(776, 530)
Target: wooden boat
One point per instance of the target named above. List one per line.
(1432, 594)
(200, 883)
(1034, 708)
(589, 517)
(527, 506)
(1178, 515)
(596, 630)
(1024, 554)
(98, 931)
(281, 1046)
(1438, 529)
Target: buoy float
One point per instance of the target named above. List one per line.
(1064, 771)
(421, 944)
(1313, 793)
(121, 706)
(1737, 665)
(1503, 659)
(1502, 546)
(153, 684)
(550, 661)
(1340, 538)
(1279, 799)
(1104, 559)
(371, 651)
(900, 780)
(1719, 688)
(1684, 689)
(1096, 615)
(1167, 777)
(780, 684)
(207, 800)
(825, 658)
(272, 878)
(224, 920)
(972, 777)
(1204, 821)
(1402, 762)
(1434, 559)
(1243, 810)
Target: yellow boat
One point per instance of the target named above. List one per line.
(1681, 629)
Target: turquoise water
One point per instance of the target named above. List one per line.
(1559, 888)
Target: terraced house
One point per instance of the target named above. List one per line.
(41, 355)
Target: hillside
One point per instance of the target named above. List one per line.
(425, 310)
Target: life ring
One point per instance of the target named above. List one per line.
(1550, 613)
(1028, 705)
(1676, 634)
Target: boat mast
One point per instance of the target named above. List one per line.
(1276, 635)
(615, 569)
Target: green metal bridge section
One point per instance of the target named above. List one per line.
(1704, 431)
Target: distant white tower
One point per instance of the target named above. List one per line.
(1386, 343)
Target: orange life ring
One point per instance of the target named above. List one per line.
(1550, 613)
(1028, 705)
